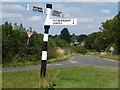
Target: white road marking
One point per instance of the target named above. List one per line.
(73, 61)
(58, 64)
(53, 64)
(48, 64)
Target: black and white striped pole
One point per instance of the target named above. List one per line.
(45, 41)
(49, 21)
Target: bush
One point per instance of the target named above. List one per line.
(80, 49)
(61, 43)
(92, 50)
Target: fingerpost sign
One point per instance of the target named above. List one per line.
(49, 12)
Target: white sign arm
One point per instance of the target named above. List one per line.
(35, 8)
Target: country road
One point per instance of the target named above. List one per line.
(74, 61)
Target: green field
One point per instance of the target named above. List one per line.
(72, 77)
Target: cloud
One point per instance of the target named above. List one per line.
(10, 0)
(34, 18)
(105, 11)
(85, 20)
(60, 0)
(93, 0)
(12, 7)
(11, 15)
(89, 19)
(91, 26)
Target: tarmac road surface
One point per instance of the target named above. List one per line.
(74, 61)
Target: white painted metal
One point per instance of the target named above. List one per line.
(57, 13)
(45, 37)
(35, 8)
(44, 55)
(48, 16)
(65, 21)
(29, 34)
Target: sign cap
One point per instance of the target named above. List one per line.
(49, 6)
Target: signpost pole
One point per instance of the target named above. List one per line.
(28, 41)
(45, 42)
(48, 21)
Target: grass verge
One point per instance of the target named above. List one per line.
(72, 77)
(109, 56)
(36, 62)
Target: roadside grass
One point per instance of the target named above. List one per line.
(109, 56)
(0, 81)
(60, 58)
(72, 77)
(36, 62)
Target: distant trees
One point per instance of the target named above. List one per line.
(90, 40)
(109, 35)
(15, 48)
(65, 35)
(81, 37)
(74, 38)
(111, 31)
(14, 41)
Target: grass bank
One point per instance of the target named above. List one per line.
(109, 56)
(36, 62)
(72, 77)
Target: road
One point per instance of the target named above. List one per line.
(74, 61)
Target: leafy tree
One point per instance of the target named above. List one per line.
(112, 30)
(30, 28)
(80, 49)
(90, 40)
(81, 37)
(100, 42)
(73, 38)
(65, 35)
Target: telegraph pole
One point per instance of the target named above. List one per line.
(45, 41)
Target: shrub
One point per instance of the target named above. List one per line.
(80, 49)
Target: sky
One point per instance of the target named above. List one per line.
(90, 15)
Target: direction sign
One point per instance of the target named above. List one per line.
(57, 13)
(62, 22)
(29, 34)
(48, 21)
(35, 8)
(111, 49)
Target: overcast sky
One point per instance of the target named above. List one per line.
(89, 15)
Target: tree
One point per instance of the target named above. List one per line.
(73, 38)
(112, 30)
(30, 28)
(15, 26)
(100, 42)
(81, 37)
(65, 35)
(90, 40)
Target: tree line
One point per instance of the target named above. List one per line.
(14, 41)
(15, 48)
(108, 36)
